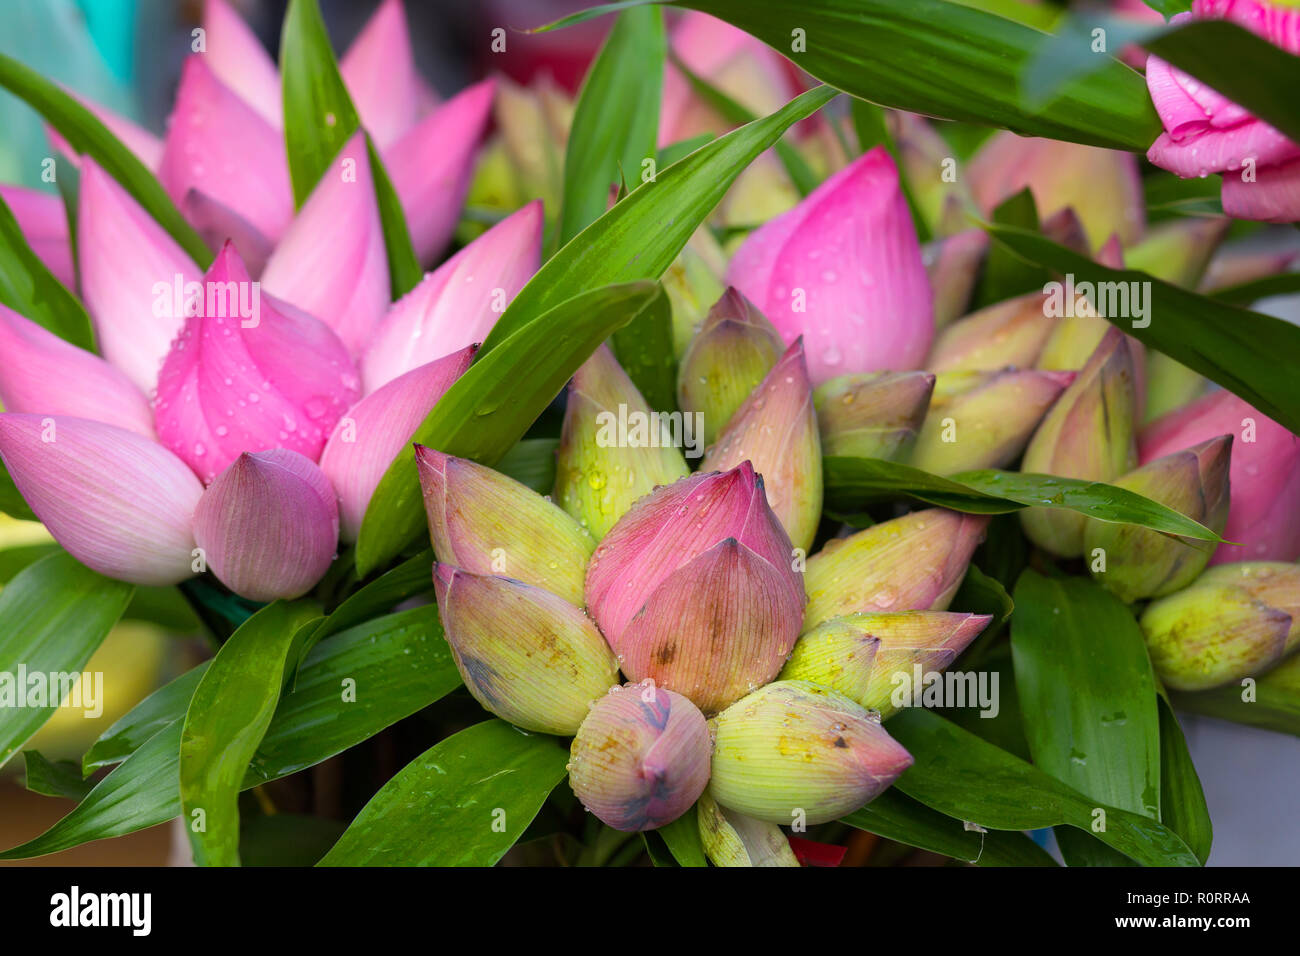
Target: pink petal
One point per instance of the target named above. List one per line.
(278, 378)
(1277, 23)
(1274, 196)
(379, 71)
(128, 263)
(44, 223)
(848, 254)
(332, 261)
(457, 304)
(218, 145)
(217, 223)
(268, 525)
(240, 61)
(431, 166)
(369, 437)
(44, 375)
(119, 503)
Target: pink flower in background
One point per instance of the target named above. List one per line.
(44, 225)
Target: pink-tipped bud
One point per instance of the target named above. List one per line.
(1006, 334)
(873, 414)
(953, 264)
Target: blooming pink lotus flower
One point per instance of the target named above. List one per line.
(1208, 133)
(458, 303)
(263, 376)
(118, 502)
(694, 588)
(44, 225)
(1263, 477)
(844, 270)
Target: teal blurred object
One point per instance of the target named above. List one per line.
(55, 38)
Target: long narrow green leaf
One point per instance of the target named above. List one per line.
(404, 272)
(53, 616)
(54, 779)
(130, 731)
(682, 837)
(532, 462)
(644, 348)
(28, 288)
(463, 802)
(1182, 800)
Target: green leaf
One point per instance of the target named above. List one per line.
(897, 817)
(872, 129)
(87, 135)
(404, 272)
(1271, 702)
(130, 731)
(11, 502)
(28, 287)
(13, 560)
(1288, 283)
(1087, 691)
(962, 776)
(463, 802)
(680, 149)
(59, 779)
(532, 462)
(225, 722)
(1250, 354)
(1006, 274)
(981, 594)
(1182, 801)
(489, 408)
(53, 616)
(852, 481)
(616, 119)
(641, 236)
(682, 838)
(644, 347)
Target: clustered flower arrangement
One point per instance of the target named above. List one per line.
(861, 433)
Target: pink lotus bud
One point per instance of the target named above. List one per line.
(129, 266)
(44, 224)
(776, 431)
(219, 146)
(1264, 475)
(379, 71)
(872, 414)
(1101, 185)
(249, 373)
(488, 523)
(44, 375)
(953, 265)
(733, 839)
(613, 448)
(793, 752)
(641, 757)
(268, 525)
(431, 166)
(526, 655)
(694, 587)
(912, 563)
(457, 304)
(240, 61)
(369, 437)
(332, 261)
(843, 269)
(117, 502)
(1006, 334)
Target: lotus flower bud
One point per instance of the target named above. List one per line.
(488, 523)
(117, 502)
(1140, 563)
(872, 414)
(952, 265)
(534, 125)
(369, 437)
(458, 303)
(1178, 250)
(44, 225)
(795, 752)
(1169, 385)
(268, 525)
(613, 449)
(126, 259)
(247, 378)
(1223, 627)
(240, 61)
(843, 269)
(640, 758)
(984, 419)
(1264, 514)
(922, 152)
(42, 374)
(1236, 264)
(528, 656)
(733, 839)
(913, 563)
(694, 587)
(860, 655)
(379, 71)
(694, 285)
(1065, 228)
(776, 431)
(1010, 333)
(1087, 434)
(734, 348)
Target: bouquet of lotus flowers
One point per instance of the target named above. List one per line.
(726, 464)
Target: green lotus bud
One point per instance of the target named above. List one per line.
(1010, 333)
(860, 655)
(1276, 583)
(794, 752)
(534, 124)
(1178, 250)
(613, 449)
(525, 654)
(1170, 385)
(923, 154)
(1134, 562)
(913, 563)
(733, 839)
(1074, 339)
(1087, 434)
(734, 348)
(693, 283)
(953, 264)
(872, 414)
(984, 419)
